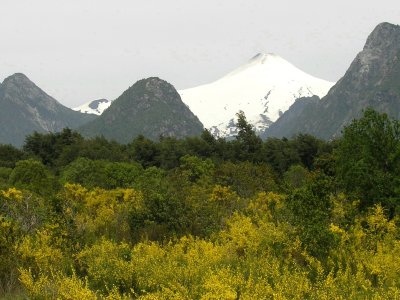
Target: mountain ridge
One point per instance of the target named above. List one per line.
(372, 80)
(26, 108)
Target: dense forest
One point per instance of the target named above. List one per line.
(203, 218)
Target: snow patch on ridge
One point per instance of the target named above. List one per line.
(95, 107)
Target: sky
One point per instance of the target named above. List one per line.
(82, 50)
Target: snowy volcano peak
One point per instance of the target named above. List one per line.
(262, 58)
(267, 58)
(268, 61)
(268, 64)
(264, 88)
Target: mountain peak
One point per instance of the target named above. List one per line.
(17, 79)
(263, 57)
(376, 61)
(26, 108)
(270, 60)
(152, 83)
(18, 76)
(384, 36)
(372, 80)
(151, 107)
(19, 86)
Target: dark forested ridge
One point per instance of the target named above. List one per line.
(151, 107)
(203, 218)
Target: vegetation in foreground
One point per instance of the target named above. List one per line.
(203, 218)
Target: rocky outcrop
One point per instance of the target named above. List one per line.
(372, 80)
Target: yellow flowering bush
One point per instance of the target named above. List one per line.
(56, 286)
(107, 265)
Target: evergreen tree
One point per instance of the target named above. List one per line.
(248, 143)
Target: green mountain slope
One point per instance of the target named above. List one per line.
(151, 107)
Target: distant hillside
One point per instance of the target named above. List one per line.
(372, 80)
(26, 108)
(151, 107)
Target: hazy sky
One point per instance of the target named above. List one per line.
(81, 50)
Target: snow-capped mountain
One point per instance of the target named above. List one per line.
(95, 107)
(263, 88)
